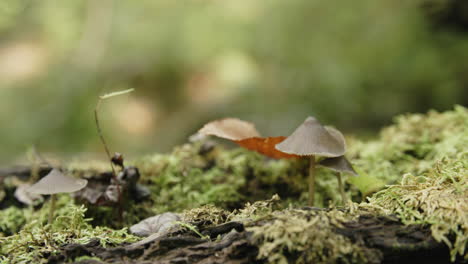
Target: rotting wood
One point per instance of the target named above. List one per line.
(385, 238)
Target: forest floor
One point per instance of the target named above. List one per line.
(409, 204)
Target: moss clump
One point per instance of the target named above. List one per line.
(12, 219)
(427, 155)
(438, 198)
(255, 211)
(206, 214)
(226, 178)
(289, 236)
(300, 236)
(36, 241)
(185, 179)
(413, 145)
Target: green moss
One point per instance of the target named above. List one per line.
(438, 198)
(288, 236)
(36, 240)
(255, 211)
(82, 258)
(414, 144)
(227, 178)
(12, 219)
(191, 176)
(423, 156)
(207, 213)
(300, 236)
(426, 154)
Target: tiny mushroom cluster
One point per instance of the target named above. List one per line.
(311, 139)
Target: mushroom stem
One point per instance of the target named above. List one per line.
(340, 186)
(53, 200)
(312, 180)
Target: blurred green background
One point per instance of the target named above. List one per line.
(352, 64)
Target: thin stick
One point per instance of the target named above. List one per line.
(340, 186)
(101, 136)
(96, 118)
(53, 200)
(312, 181)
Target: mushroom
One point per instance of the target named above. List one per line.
(339, 165)
(56, 182)
(312, 139)
(230, 128)
(22, 195)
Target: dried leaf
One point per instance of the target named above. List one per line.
(265, 146)
(244, 134)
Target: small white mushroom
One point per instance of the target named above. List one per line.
(56, 182)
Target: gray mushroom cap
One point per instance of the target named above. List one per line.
(23, 195)
(57, 182)
(337, 135)
(311, 138)
(338, 164)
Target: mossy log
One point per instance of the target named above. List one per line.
(409, 205)
(382, 239)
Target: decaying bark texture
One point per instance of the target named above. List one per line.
(394, 242)
(385, 240)
(231, 247)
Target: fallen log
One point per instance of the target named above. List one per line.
(381, 239)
